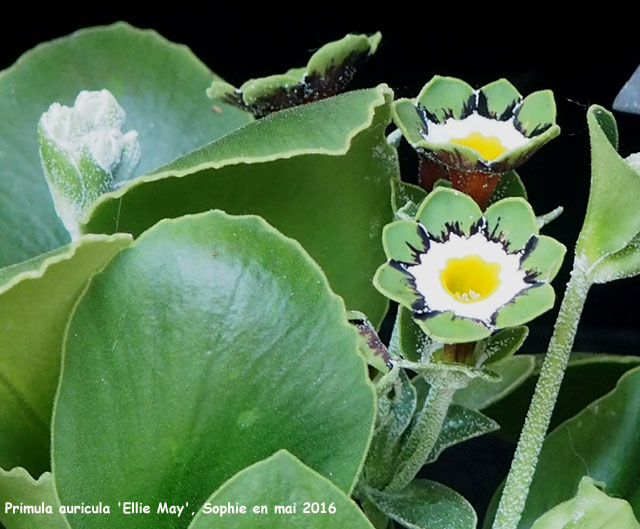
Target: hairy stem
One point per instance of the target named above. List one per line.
(423, 437)
(524, 463)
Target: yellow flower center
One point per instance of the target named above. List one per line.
(489, 147)
(470, 278)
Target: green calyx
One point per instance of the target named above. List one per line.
(328, 72)
(465, 274)
(492, 129)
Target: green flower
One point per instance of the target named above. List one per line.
(328, 72)
(492, 129)
(465, 274)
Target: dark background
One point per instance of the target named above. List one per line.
(584, 59)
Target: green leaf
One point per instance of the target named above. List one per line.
(601, 441)
(612, 220)
(159, 84)
(445, 206)
(414, 343)
(370, 345)
(515, 219)
(36, 299)
(426, 505)
(509, 185)
(590, 508)
(501, 345)
(588, 377)
(395, 414)
(404, 195)
(480, 393)
(222, 389)
(619, 265)
(461, 424)
(284, 481)
(18, 487)
(546, 218)
(302, 169)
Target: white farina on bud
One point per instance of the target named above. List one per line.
(85, 153)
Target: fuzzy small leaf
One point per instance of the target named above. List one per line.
(461, 424)
(426, 505)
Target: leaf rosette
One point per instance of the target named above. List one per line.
(492, 129)
(465, 274)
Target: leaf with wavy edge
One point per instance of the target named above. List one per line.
(18, 487)
(319, 173)
(35, 302)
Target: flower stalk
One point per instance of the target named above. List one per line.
(423, 437)
(524, 463)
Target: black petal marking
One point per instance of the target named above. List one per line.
(483, 106)
(529, 247)
(469, 106)
(311, 88)
(507, 114)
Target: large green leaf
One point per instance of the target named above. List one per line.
(36, 299)
(223, 345)
(588, 377)
(160, 85)
(281, 481)
(19, 488)
(602, 441)
(426, 505)
(590, 508)
(319, 173)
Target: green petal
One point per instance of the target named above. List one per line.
(340, 51)
(445, 206)
(407, 119)
(537, 113)
(445, 97)
(254, 90)
(526, 306)
(447, 328)
(510, 185)
(499, 96)
(546, 258)
(514, 218)
(395, 284)
(402, 241)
